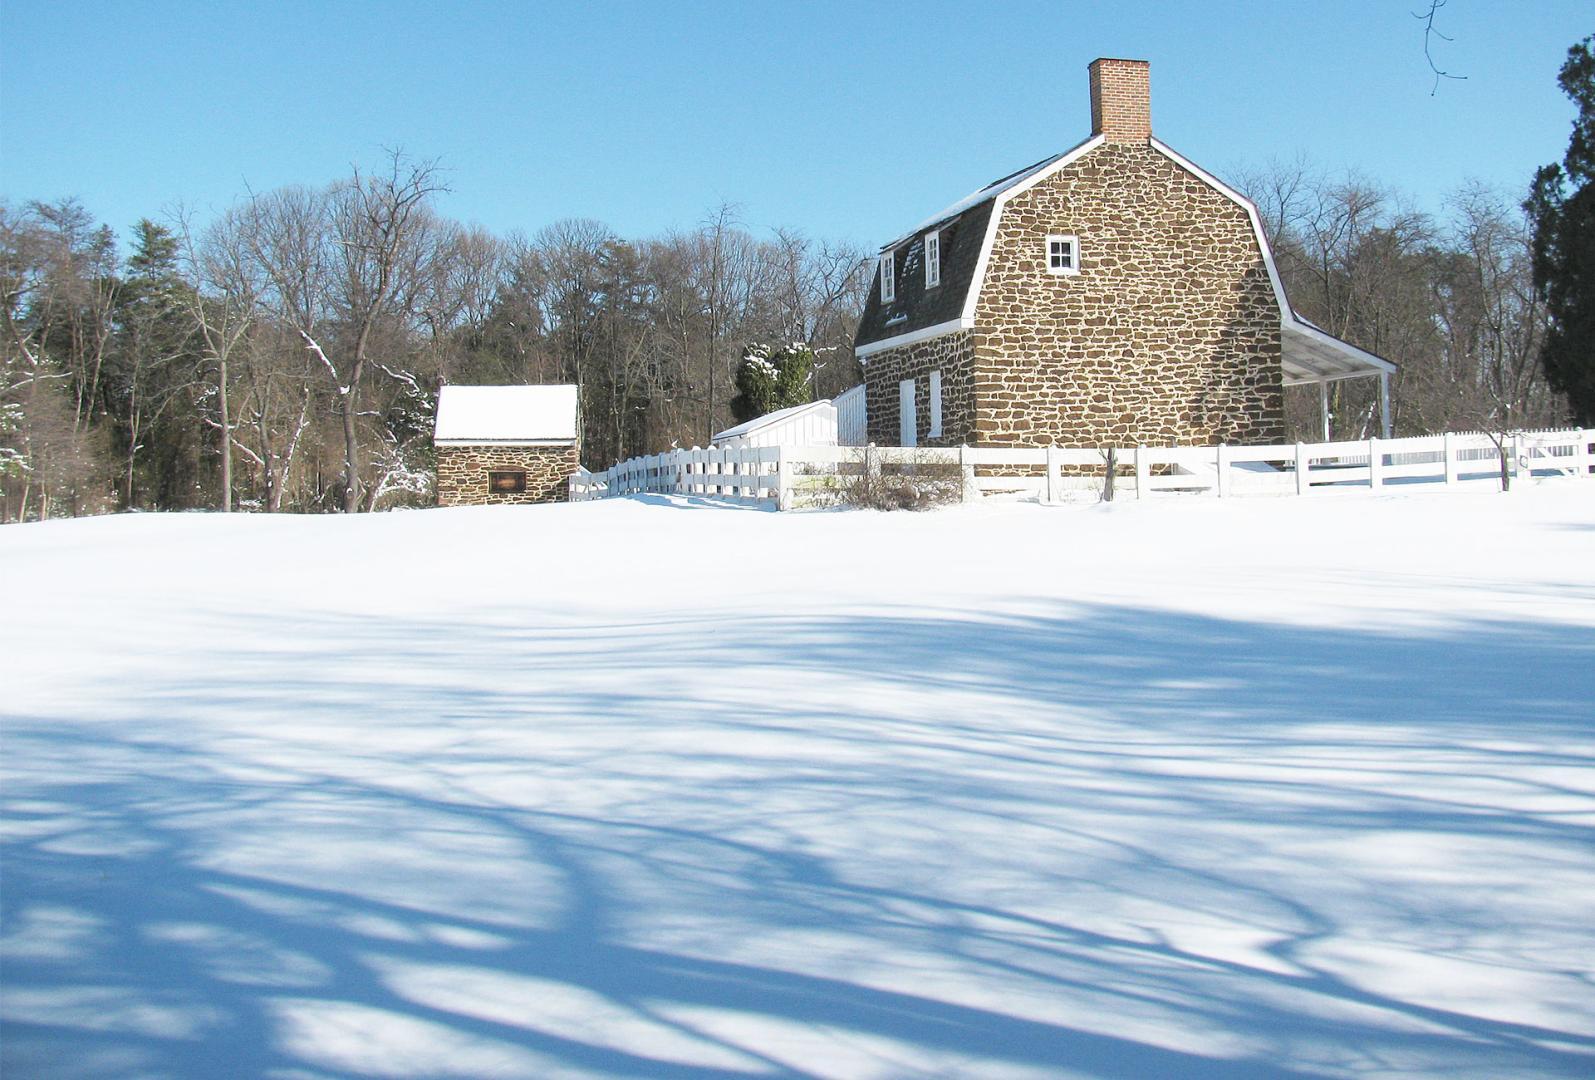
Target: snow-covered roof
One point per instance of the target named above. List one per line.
(506, 414)
(975, 198)
(759, 423)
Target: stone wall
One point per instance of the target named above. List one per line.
(463, 473)
(951, 354)
(1168, 335)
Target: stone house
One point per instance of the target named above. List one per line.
(506, 444)
(1115, 294)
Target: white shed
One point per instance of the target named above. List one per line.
(852, 418)
(813, 424)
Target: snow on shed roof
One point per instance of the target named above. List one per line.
(506, 414)
(759, 422)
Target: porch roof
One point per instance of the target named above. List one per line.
(1310, 355)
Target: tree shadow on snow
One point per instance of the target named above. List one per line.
(514, 871)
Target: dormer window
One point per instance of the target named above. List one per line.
(1063, 254)
(932, 260)
(888, 279)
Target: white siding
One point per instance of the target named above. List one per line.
(807, 425)
(852, 417)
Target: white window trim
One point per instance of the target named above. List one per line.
(1074, 255)
(932, 264)
(888, 278)
(907, 414)
(935, 406)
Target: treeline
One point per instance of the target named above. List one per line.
(287, 355)
(1450, 299)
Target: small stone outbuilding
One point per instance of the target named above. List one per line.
(506, 444)
(1115, 294)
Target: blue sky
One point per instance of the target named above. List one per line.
(845, 120)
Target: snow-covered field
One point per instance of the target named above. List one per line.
(652, 788)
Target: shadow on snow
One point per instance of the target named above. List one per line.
(165, 909)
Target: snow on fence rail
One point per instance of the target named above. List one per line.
(792, 475)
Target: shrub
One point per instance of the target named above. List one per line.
(918, 484)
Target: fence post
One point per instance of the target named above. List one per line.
(1143, 473)
(1522, 471)
(783, 480)
(966, 476)
(1376, 466)
(1222, 484)
(1450, 452)
(1052, 473)
(1301, 469)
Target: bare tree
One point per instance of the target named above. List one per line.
(57, 290)
(339, 263)
(224, 306)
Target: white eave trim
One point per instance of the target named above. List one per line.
(913, 336)
(1288, 320)
(1346, 348)
(1001, 200)
(1286, 315)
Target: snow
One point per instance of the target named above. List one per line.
(506, 414)
(990, 191)
(653, 787)
(758, 423)
(976, 197)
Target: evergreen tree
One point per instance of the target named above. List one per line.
(150, 376)
(794, 375)
(755, 380)
(769, 380)
(1561, 205)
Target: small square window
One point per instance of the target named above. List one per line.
(506, 481)
(1063, 254)
(932, 260)
(888, 279)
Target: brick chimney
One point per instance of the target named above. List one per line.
(1121, 100)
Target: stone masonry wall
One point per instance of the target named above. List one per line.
(463, 473)
(1168, 335)
(951, 354)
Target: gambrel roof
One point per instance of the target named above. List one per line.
(968, 228)
(917, 308)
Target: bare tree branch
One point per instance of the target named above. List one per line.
(1427, 18)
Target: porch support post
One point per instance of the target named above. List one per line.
(1323, 405)
(1384, 404)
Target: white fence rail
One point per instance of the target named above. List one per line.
(794, 475)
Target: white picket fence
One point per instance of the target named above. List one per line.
(794, 475)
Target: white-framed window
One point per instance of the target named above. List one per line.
(888, 278)
(935, 406)
(1063, 254)
(907, 420)
(932, 259)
